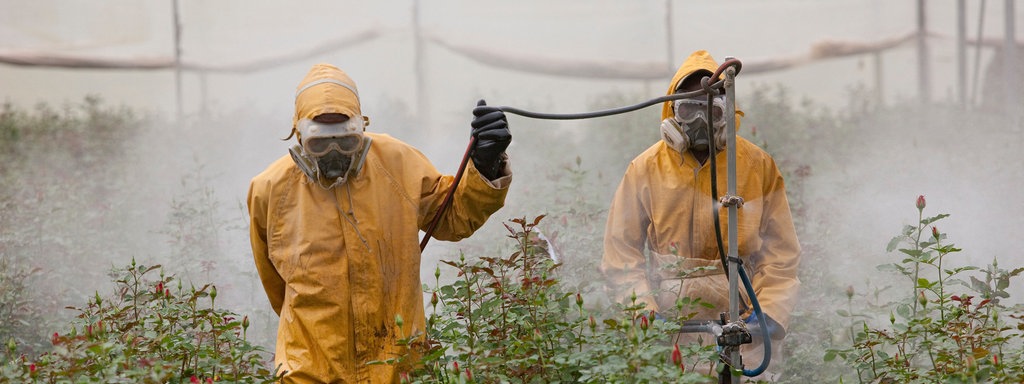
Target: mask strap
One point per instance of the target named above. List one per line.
(362, 156)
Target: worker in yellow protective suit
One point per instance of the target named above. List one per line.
(334, 231)
(660, 237)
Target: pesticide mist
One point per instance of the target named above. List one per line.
(90, 186)
(125, 185)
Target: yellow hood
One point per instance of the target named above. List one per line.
(325, 89)
(698, 61)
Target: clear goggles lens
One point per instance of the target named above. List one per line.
(346, 145)
(319, 138)
(688, 110)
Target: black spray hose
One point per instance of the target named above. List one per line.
(713, 148)
(607, 112)
(546, 116)
(709, 89)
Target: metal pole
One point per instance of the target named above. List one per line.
(961, 52)
(1010, 82)
(422, 109)
(977, 53)
(177, 60)
(730, 145)
(879, 77)
(670, 49)
(203, 95)
(924, 88)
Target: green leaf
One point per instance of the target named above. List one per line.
(903, 310)
(908, 230)
(830, 355)
(1002, 282)
(893, 243)
(925, 283)
(912, 252)
(934, 219)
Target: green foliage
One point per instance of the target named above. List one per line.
(148, 331)
(85, 186)
(16, 310)
(543, 335)
(194, 225)
(786, 131)
(574, 220)
(509, 319)
(61, 189)
(948, 329)
(580, 166)
(87, 132)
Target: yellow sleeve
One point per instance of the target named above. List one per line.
(623, 263)
(475, 199)
(273, 284)
(775, 275)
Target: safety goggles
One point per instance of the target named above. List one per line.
(346, 145)
(320, 138)
(689, 110)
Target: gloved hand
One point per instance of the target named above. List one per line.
(775, 331)
(490, 127)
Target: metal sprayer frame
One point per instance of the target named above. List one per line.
(730, 150)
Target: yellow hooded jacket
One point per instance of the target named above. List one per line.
(338, 265)
(664, 203)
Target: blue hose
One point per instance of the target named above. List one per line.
(762, 322)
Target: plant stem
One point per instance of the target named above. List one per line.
(917, 263)
(874, 372)
(942, 308)
(470, 329)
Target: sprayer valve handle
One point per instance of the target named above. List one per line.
(729, 200)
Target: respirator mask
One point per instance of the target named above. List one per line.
(689, 127)
(329, 152)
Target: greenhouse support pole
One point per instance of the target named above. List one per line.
(177, 60)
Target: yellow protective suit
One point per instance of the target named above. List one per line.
(664, 204)
(338, 265)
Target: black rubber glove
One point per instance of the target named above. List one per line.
(490, 127)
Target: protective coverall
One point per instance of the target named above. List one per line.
(664, 204)
(338, 265)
